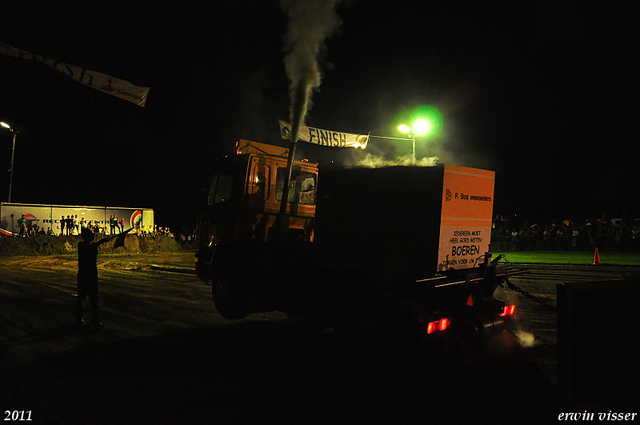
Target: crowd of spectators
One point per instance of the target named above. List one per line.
(71, 225)
(606, 235)
(155, 231)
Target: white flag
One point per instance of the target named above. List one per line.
(321, 137)
(103, 82)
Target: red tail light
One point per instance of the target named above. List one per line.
(508, 310)
(438, 325)
(443, 324)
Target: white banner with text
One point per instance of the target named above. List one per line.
(103, 82)
(317, 136)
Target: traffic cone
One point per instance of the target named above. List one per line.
(596, 258)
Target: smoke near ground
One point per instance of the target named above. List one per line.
(527, 339)
(373, 161)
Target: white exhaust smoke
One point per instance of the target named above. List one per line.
(310, 23)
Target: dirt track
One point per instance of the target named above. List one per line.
(166, 356)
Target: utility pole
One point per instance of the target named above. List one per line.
(13, 153)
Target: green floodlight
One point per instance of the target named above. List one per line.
(426, 120)
(430, 114)
(421, 127)
(422, 121)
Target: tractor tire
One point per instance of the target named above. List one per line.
(230, 293)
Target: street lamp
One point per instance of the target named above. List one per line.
(13, 151)
(420, 127)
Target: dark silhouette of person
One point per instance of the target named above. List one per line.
(88, 278)
(22, 224)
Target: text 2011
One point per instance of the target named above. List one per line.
(17, 415)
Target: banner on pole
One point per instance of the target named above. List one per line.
(321, 137)
(103, 82)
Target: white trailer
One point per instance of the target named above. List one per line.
(48, 217)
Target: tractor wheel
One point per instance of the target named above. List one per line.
(230, 294)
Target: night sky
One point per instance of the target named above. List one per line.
(546, 94)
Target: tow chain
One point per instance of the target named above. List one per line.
(529, 296)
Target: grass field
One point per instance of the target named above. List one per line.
(572, 257)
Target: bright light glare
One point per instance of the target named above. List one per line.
(404, 128)
(5, 125)
(443, 324)
(508, 310)
(421, 127)
(439, 325)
